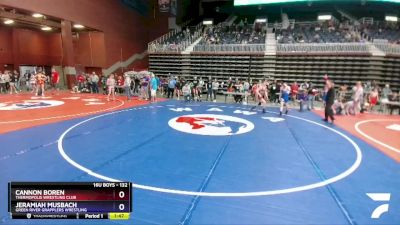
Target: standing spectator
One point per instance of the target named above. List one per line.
(2, 83)
(154, 87)
(21, 82)
(40, 82)
(103, 82)
(178, 88)
(95, 82)
(186, 92)
(329, 100)
(32, 83)
(137, 86)
(215, 86)
(209, 89)
(7, 79)
(386, 92)
(111, 87)
(13, 81)
(358, 96)
(17, 83)
(120, 84)
(312, 92)
(81, 81)
(373, 98)
(284, 98)
(171, 87)
(55, 78)
(144, 88)
(294, 91)
(127, 86)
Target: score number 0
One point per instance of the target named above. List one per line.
(121, 206)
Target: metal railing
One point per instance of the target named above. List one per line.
(161, 44)
(387, 48)
(324, 47)
(230, 48)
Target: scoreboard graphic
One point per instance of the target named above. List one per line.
(76, 200)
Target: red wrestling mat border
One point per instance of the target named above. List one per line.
(26, 110)
(380, 131)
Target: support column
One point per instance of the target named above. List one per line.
(68, 54)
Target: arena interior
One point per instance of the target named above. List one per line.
(200, 112)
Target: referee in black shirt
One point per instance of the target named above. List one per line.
(329, 100)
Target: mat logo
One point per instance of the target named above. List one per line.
(379, 197)
(211, 125)
(30, 104)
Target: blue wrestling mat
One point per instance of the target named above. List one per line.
(205, 163)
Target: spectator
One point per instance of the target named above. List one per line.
(329, 100)
(94, 82)
(13, 82)
(358, 95)
(2, 83)
(154, 87)
(111, 87)
(373, 98)
(215, 86)
(55, 78)
(127, 86)
(171, 87)
(386, 92)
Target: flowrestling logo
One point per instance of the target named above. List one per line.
(30, 104)
(210, 124)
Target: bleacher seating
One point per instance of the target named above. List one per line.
(235, 34)
(344, 52)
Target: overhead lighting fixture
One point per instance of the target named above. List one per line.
(261, 20)
(8, 21)
(324, 17)
(391, 18)
(207, 22)
(79, 26)
(46, 28)
(37, 15)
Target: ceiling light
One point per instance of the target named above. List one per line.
(37, 15)
(79, 26)
(8, 21)
(261, 20)
(391, 18)
(46, 28)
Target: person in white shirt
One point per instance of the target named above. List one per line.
(357, 97)
(2, 83)
(111, 87)
(215, 86)
(127, 86)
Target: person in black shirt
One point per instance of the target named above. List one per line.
(330, 99)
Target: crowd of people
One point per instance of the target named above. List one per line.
(342, 100)
(37, 82)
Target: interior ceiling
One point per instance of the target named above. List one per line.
(24, 19)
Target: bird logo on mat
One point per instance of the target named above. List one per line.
(212, 125)
(30, 104)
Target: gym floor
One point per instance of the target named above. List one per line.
(205, 163)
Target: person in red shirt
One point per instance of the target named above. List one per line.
(120, 84)
(81, 81)
(295, 91)
(55, 78)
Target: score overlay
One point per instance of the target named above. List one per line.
(70, 200)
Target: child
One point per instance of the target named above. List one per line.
(284, 97)
(186, 92)
(111, 87)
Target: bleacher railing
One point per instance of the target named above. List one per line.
(387, 48)
(161, 44)
(324, 47)
(230, 48)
